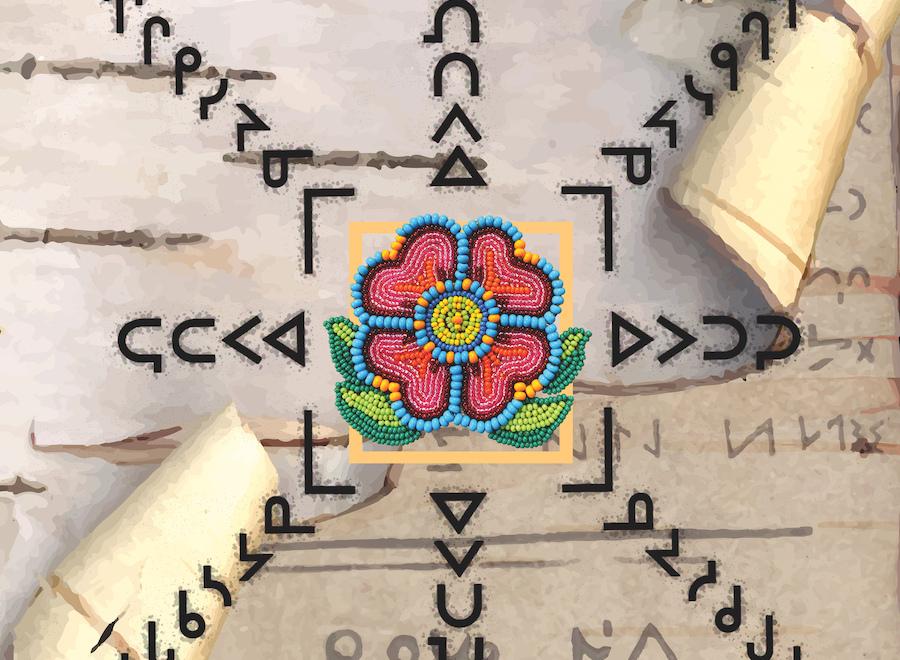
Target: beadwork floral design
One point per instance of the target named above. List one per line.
(457, 325)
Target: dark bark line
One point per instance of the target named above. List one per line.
(347, 158)
(139, 238)
(89, 67)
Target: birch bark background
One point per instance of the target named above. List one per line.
(87, 148)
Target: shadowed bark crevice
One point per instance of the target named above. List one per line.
(20, 485)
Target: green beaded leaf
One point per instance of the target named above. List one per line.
(535, 422)
(368, 410)
(341, 331)
(572, 359)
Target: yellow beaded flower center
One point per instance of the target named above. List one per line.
(456, 320)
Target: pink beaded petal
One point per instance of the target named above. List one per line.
(518, 287)
(392, 287)
(424, 382)
(517, 355)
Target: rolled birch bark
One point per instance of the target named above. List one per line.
(876, 16)
(187, 514)
(762, 171)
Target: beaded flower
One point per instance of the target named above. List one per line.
(457, 325)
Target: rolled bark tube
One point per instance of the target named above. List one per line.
(130, 569)
(877, 17)
(762, 171)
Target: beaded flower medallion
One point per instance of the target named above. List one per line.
(457, 325)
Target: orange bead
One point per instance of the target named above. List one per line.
(440, 287)
(536, 385)
(520, 396)
(422, 301)
(519, 252)
(487, 339)
(529, 391)
(519, 243)
(385, 384)
(473, 357)
(419, 325)
(450, 357)
(519, 387)
(377, 381)
(392, 254)
(385, 254)
(494, 318)
(428, 347)
(466, 283)
(395, 396)
(401, 239)
(394, 387)
(487, 295)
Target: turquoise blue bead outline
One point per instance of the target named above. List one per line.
(453, 413)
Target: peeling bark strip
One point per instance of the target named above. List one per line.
(19, 486)
(105, 238)
(90, 67)
(377, 160)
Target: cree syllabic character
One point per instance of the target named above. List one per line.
(457, 325)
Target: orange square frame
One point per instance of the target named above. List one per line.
(563, 230)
